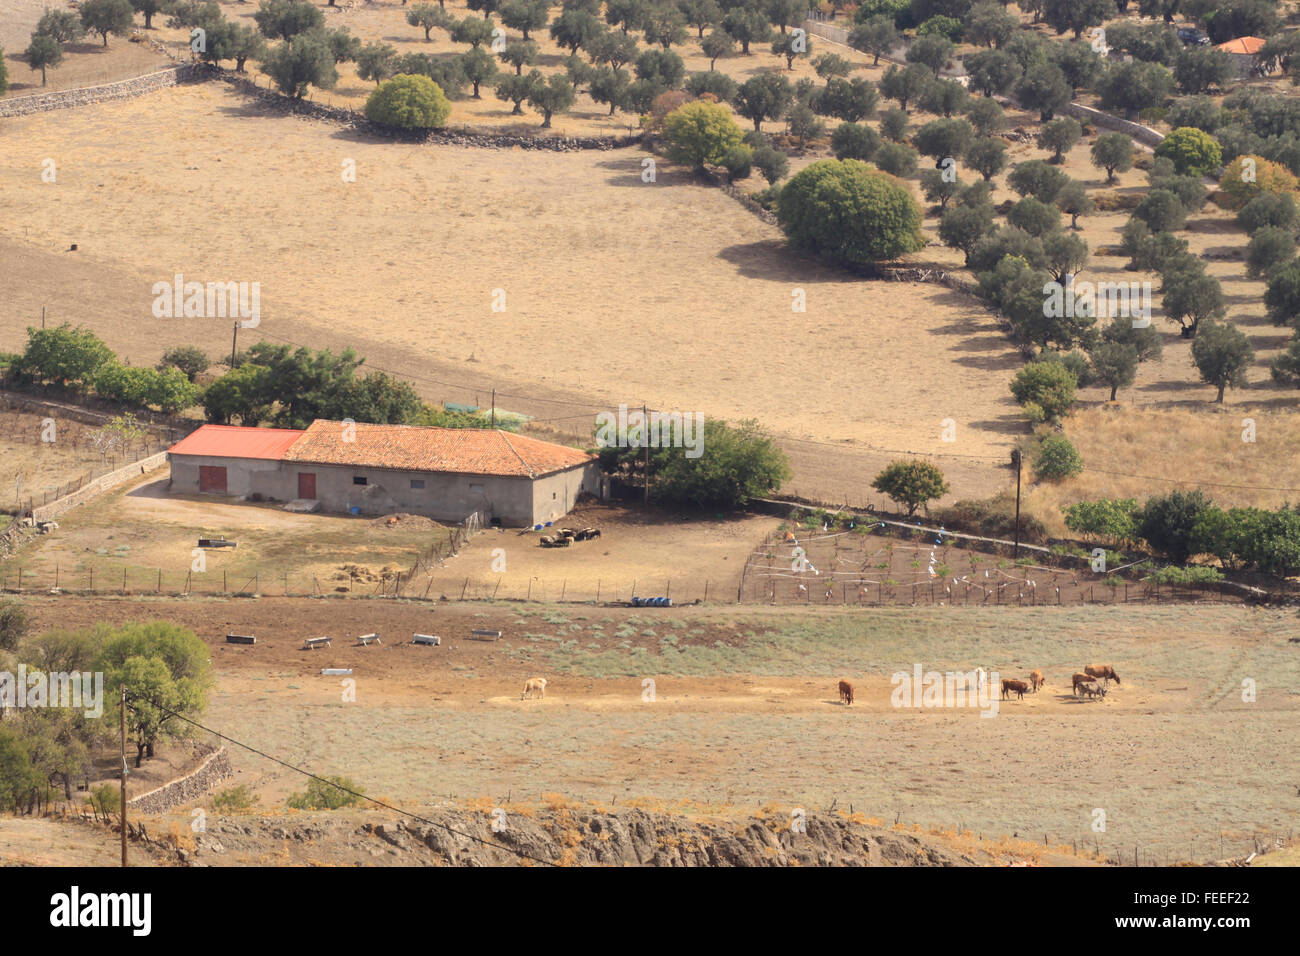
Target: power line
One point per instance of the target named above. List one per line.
(307, 773)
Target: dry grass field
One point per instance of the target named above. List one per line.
(855, 373)
(617, 291)
(745, 712)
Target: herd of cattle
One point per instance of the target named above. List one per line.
(1084, 685)
(567, 536)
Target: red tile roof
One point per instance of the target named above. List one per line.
(468, 451)
(230, 441)
(1246, 45)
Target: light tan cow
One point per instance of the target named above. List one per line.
(534, 687)
(1036, 678)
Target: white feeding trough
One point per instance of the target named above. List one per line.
(336, 671)
(433, 640)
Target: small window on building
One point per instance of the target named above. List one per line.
(475, 489)
(552, 496)
(359, 480)
(417, 482)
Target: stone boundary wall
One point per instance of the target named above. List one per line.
(99, 486)
(186, 789)
(448, 137)
(117, 90)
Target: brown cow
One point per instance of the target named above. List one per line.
(1102, 672)
(846, 692)
(1082, 679)
(534, 687)
(1018, 687)
(1036, 678)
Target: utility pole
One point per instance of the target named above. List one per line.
(42, 316)
(233, 339)
(645, 437)
(494, 408)
(1015, 460)
(123, 775)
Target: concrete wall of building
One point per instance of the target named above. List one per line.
(555, 495)
(445, 497)
(244, 476)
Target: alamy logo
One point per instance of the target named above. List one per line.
(211, 300)
(975, 688)
(75, 909)
(1099, 300)
(78, 690)
(661, 430)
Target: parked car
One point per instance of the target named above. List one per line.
(1192, 37)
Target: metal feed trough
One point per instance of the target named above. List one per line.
(432, 640)
(482, 634)
(336, 671)
(240, 639)
(311, 643)
(216, 543)
(365, 640)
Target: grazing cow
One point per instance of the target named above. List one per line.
(1018, 687)
(1082, 680)
(846, 692)
(1036, 678)
(1092, 690)
(534, 687)
(593, 533)
(1102, 672)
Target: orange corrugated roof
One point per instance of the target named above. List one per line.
(1248, 45)
(470, 451)
(233, 441)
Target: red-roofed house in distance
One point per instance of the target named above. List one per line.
(444, 473)
(1244, 53)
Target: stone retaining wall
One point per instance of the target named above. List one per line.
(97, 487)
(187, 789)
(118, 90)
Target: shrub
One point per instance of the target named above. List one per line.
(1110, 520)
(191, 360)
(326, 795)
(234, 799)
(1184, 576)
(1194, 152)
(992, 518)
(845, 210)
(911, 483)
(739, 162)
(946, 27)
(701, 133)
(408, 102)
(1247, 177)
(1056, 459)
(14, 625)
(64, 356)
(1048, 386)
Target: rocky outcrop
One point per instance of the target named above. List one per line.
(570, 836)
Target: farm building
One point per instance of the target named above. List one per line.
(444, 473)
(1244, 53)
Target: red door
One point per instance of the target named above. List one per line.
(306, 484)
(212, 478)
